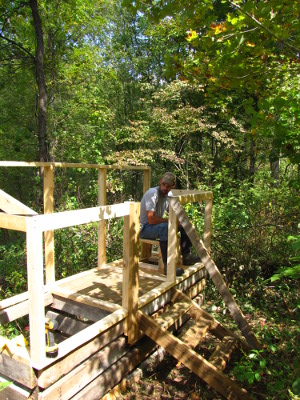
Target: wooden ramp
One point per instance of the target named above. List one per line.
(182, 347)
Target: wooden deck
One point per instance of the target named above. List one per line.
(94, 354)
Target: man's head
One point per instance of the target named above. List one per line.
(167, 182)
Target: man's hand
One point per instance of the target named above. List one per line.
(153, 219)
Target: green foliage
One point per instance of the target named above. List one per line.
(251, 223)
(251, 367)
(293, 271)
(13, 270)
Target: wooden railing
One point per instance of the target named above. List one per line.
(48, 171)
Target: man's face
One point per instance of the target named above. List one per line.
(165, 188)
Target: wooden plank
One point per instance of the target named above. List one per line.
(172, 247)
(196, 312)
(92, 313)
(223, 351)
(113, 375)
(53, 372)
(10, 205)
(191, 196)
(193, 336)
(102, 172)
(196, 363)
(169, 317)
(146, 180)
(13, 222)
(214, 274)
(207, 224)
(75, 380)
(67, 325)
(85, 336)
(18, 369)
(49, 235)
(130, 283)
(84, 299)
(35, 279)
(71, 165)
(16, 311)
(66, 219)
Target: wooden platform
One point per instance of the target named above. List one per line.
(88, 365)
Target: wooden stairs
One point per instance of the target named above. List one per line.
(182, 347)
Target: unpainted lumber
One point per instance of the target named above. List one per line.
(84, 336)
(113, 375)
(85, 299)
(13, 312)
(67, 325)
(18, 369)
(223, 351)
(13, 222)
(92, 313)
(196, 363)
(130, 282)
(35, 280)
(71, 165)
(214, 274)
(10, 205)
(67, 219)
(73, 382)
(49, 235)
(53, 372)
(102, 175)
(193, 336)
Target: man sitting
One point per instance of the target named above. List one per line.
(154, 226)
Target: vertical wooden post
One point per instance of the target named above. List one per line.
(130, 292)
(35, 279)
(146, 248)
(146, 180)
(49, 235)
(172, 246)
(207, 224)
(102, 173)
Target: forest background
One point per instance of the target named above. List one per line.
(208, 90)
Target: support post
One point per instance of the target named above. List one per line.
(146, 248)
(49, 235)
(35, 279)
(172, 246)
(102, 174)
(207, 224)
(146, 180)
(130, 292)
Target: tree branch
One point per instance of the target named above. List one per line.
(293, 48)
(18, 45)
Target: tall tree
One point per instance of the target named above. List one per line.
(41, 83)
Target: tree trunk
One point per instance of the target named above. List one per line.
(41, 83)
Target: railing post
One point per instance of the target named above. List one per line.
(35, 279)
(146, 180)
(172, 245)
(102, 173)
(207, 223)
(49, 235)
(130, 290)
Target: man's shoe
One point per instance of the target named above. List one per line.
(190, 259)
(179, 271)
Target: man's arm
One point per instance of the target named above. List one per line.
(153, 219)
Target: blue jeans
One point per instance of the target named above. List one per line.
(160, 231)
